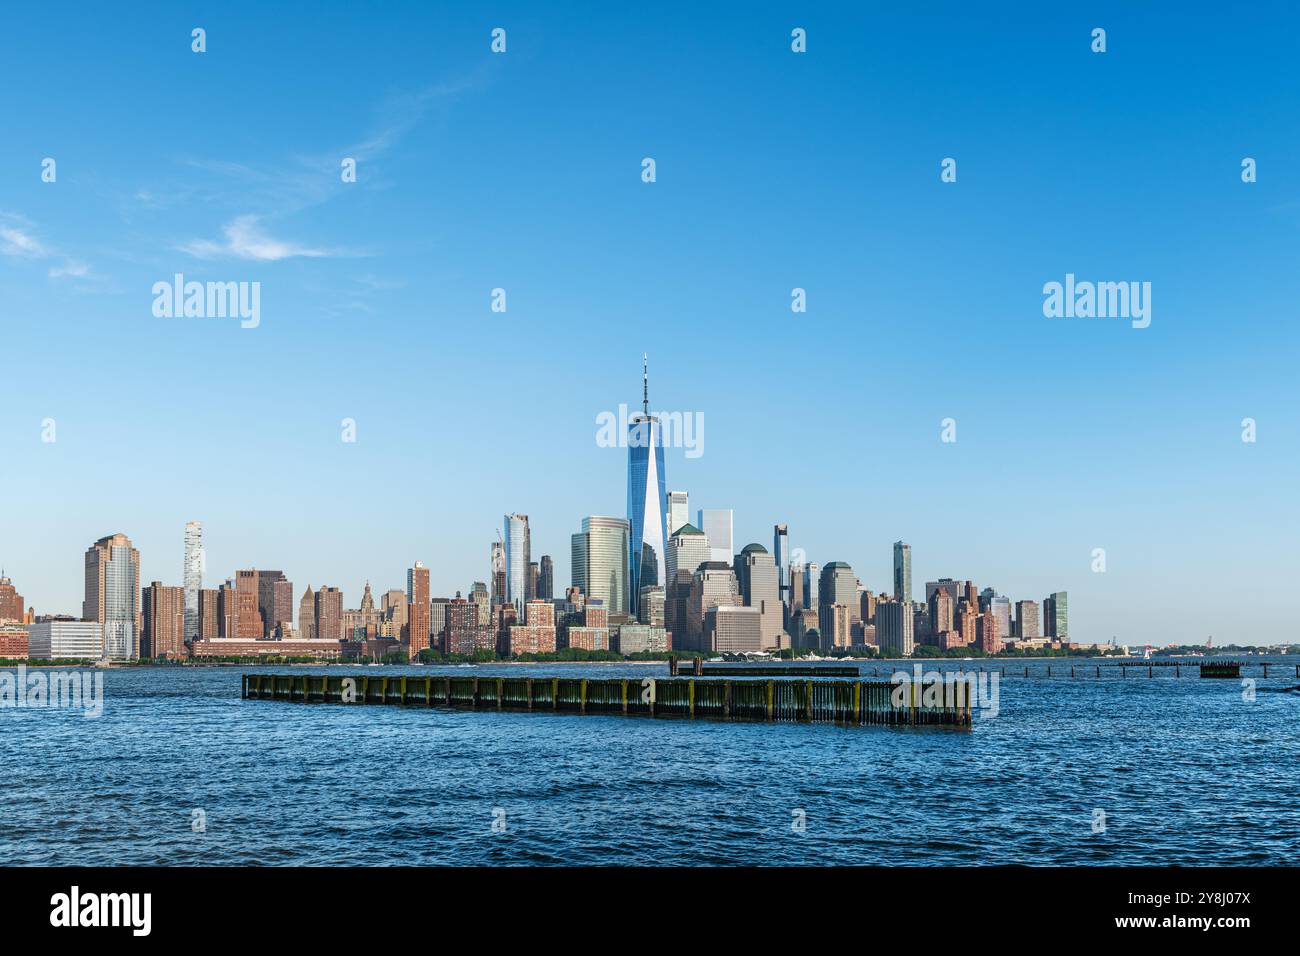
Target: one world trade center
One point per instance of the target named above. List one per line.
(646, 498)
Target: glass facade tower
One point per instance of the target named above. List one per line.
(646, 501)
(192, 577)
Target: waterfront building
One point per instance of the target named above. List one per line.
(646, 500)
(248, 617)
(460, 630)
(902, 572)
(517, 545)
(478, 596)
(1056, 616)
(274, 601)
(713, 584)
(652, 606)
(11, 602)
(14, 642)
(805, 634)
(600, 556)
(498, 581)
(306, 616)
(941, 609)
(867, 607)
(209, 609)
(163, 630)
(794, 574)
(811, 582)
(734, 629)
(781, 557)
(756, 576)
(329, 614)
(1000, 605)
(640, 639)
(679, 510)
(948, 585)
(59, 639)
(835, 625)
(894, 628)
(839, 586)
(112, 595)
(989, 633)
(192, 577)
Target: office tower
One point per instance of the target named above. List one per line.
(688, 548)
(795, 577)
(163, 613)
(329, 614)
(359, 624)
(534, 576)
(600, 555)
(537, 634)
(921, 632)
(498, 581)
(986, 598)
(894, 628)
(49, 640)
(419, 621)
(11, 602)
(734, 629)
(1027, 621)
(867, 607)
(717, 525)
(227, 612)
(839, 586)
(646, 500)
(941, 611)
(676, 603)
(757, 576)
(989, 633)
(113, 594)
(713, 584)
(209, 614)
(835, 625)
(249, 625)
(679, 510)
(1056, 616)
(811, 583)
(971, 595)
(953, 589)
(651, 610)
(479, 597)
(459, 634)
(192, 577)
(546, 579)
(438, 619)
(902, 572)
(781, 555)
(274, 601)
(967, 618)
(307, 616)
(517, 544)
(1000, 605)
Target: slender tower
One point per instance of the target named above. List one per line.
(646, 497)
(192, 577)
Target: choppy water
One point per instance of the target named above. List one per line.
(1185, 770)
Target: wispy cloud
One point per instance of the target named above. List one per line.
(16, 239)
(74, 268)
(245, 239)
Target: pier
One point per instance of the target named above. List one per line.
(854, 702)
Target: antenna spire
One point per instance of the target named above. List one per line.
(645, 383)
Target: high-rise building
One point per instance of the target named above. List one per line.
(714, 584)
(498, 581)
(781, 555)
(307, 615)
(1056, 616)
(329, 614)
(546, 579)
(688, 548)
(274, 601)
(941, 610)
(163, 630)
(989, 633)
(1000, 605)
(756, 574)
(11, 602)
(248, 616)
(734, 629)
(1027, 621)
(954, 589)
(894, 628)
(209, 614)
(653, 598)
(517, 545)
(418, 612)
(838, 585)
(534, 576)
(479, 597)
(600, 555)
(646, 500)
(50, 640)
(192, 577)
(811, 584)
(795, 576)
(716, 523)
(902, 572)
(679, 510)
(113, 594)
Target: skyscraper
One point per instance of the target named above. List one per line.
(1056, 616)
(546, 579)
(756, 574)
(249, 625)
(517, 544)
(679, 510)
(646, 499)
(811, 586)
(688, 548)
(11, 602)
(274, 601)
(902, 572)
(498, 581)
(418, 622)
(113, 594)
(1027, 621)
(781, 555)
(163, 630)
(838, 586)
(600, 554)
(192, 577)
(329, 614)
(307, 615)
(894, 624)
(716, 523)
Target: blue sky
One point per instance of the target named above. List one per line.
(774, 170)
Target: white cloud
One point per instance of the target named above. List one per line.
(71, 267)
(246, 240)
(14, 241)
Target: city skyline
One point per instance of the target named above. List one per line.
(924, 298)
